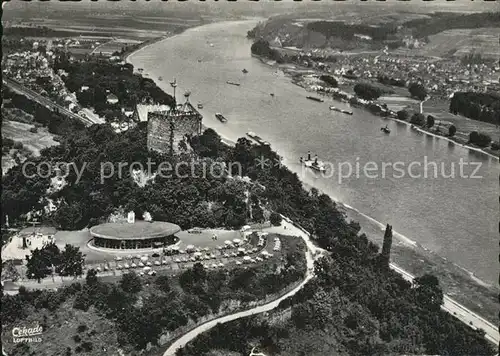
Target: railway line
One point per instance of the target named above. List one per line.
(49, 104)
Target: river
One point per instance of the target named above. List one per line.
(454, 217)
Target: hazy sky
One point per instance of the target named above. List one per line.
(24, 10)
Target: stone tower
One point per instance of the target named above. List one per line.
(166, 130)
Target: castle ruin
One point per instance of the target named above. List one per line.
(168, 130)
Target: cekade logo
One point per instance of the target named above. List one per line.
(25, 334)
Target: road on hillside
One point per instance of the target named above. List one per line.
(311, 251)
(460, 312)
(449, 305)
(30, 94)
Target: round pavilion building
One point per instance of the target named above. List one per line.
(136, 235)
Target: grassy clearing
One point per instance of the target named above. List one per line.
(33, 141)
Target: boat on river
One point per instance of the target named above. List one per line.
(200, 106)
(257, 138)
(160, 79)
(315, 98)
(245, 71)
(341, 110)
(221, 117)
(272, 94)
(233, 83)
(313, 164)
(385, 129)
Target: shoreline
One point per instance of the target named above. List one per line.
(445, 138)
(285, 69)
(409, 252)
(145, 45)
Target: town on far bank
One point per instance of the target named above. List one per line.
(244, 260)
(417, 70)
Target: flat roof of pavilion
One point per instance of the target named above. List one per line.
(139, 230)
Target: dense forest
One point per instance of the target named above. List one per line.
(34, 31)
(348, 36)
(348, 31)
(261, 48)
(477, 106)
(448, 21)
(87, 200)
(368, 91)
(103, 78)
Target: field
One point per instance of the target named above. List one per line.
(114, 45)
(33, 141)
(439, 109)
(458, 43)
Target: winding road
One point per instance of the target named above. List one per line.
(460, 312)
(313, 252)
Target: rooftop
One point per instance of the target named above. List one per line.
(140, 230)
(143, 110)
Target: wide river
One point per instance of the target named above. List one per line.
(456, 217)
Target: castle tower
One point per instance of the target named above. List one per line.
(166, 130)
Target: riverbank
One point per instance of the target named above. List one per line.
(295, 72)
(453, 140)
(407, 254)
(144, 44)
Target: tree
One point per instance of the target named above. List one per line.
(71, 261)
(430, 121)
(367, 91)
(427, 292)
(403, 115)
(417, 90)
(275, 218)
(70, 216)
(208, 144)
(418, 119)
(329, 80)
(41, 261)
(452, 130)
(131, 283)
(163, 283)
(91, 278)
(9, 271)
(242, 154)
(386, 246)
(479, 138)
